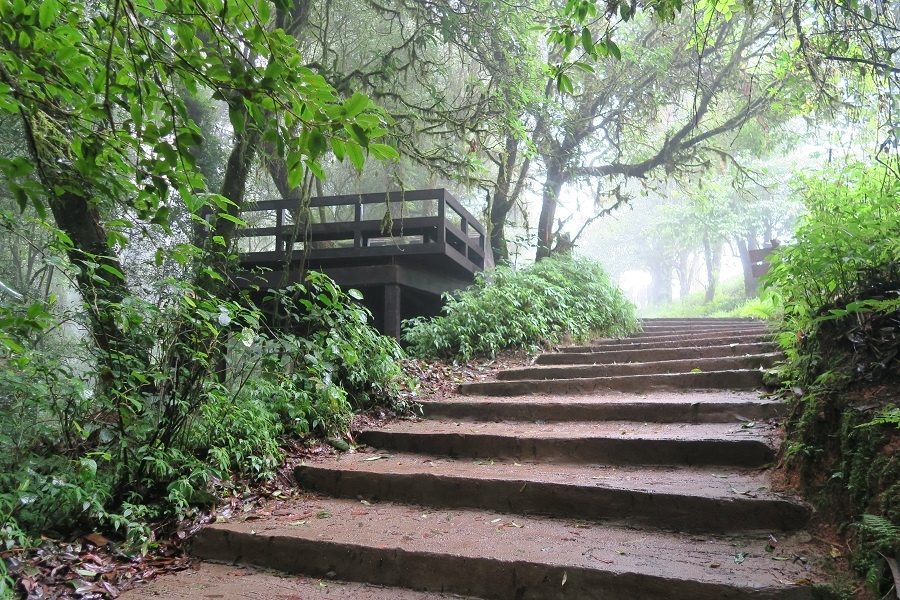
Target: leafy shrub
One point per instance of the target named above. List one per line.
(332, 363)
(116, 437)
(839, 284)
(842, 274)
(554, 299)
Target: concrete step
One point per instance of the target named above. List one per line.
(716, 363)
(698, 329)
(504, 555)
(681, 499)
(722, 380)
(610, 442)
(652, 354)
(695, 320)
(687, 339)
(229, 582)
(657, 407)
(638, 343)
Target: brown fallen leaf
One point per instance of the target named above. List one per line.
(97, 539)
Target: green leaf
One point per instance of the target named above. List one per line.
(355, 153)
(295, 175)
(383, 152)
(47, 12)
(237, 118)
(614, 49)
(316, 169)
(113, 270)
(355, 105)
(339, 148)
(233, 219)
(587, 41)
(564, 84)
(316, 143)
(263, 11)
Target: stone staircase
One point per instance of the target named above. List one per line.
(627, 469)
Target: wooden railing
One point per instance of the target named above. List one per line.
(366, 226)
(759, 261)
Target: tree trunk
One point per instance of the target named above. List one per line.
(744, 245)
(660, 283)
(214, 278)
(549, 200)
(712, 252)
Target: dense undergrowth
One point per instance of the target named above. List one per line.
(557, 298)
(79, 455)
(839, 284)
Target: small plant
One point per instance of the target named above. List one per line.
(880, 547)
(557, 298)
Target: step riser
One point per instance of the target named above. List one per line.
(451, 573)
(635, 451)
(638, 344)
(682, 337)
(655, 412)
(698, 332)
(733, 380)
(728, 363)
(744, 320)
(624, 356)
(667, 511)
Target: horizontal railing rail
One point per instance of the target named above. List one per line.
(363, 226)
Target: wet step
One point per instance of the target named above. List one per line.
(683, 499)
(229, 582)
(656, 331)
(689, 321)
(739, 379)
(638, 343)
(684, 337)
(504, 555)
(654, 354)
(610, 442)
(659, 407)
(715, 363)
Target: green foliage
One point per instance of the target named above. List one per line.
(844, 267)
(555, 299)
(80, 451)
(331, 364)
(728, 302)
(839, 283)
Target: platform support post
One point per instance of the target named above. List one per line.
(392, 310)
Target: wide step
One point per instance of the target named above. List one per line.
(676, 341)
(597, 443)
(657, 407)
(502, 555)
(711, 500)
(722, 380)
(228, 582)
(717, 363)
(653, 354)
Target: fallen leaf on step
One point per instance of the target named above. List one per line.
(379, 457)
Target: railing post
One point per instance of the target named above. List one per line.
(280, 241)
(392, 310)
(357, 228)
(442, 217)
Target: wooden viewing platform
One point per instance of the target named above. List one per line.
(403, 250)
